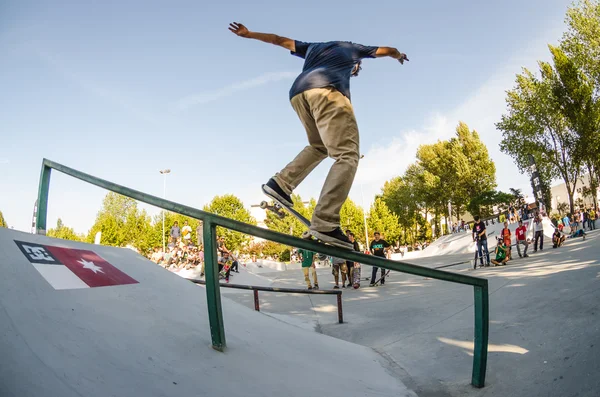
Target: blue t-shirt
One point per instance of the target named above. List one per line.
(328, 65)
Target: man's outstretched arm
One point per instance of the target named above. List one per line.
(391, 52)
(240, 30)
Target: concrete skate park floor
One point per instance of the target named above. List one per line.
(544, 337)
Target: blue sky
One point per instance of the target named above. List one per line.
(123, 89)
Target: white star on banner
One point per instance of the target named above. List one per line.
(91, 266)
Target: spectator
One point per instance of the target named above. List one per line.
(557, 239)
(479, 235)
(200, 233)
(378, 248)
(338, 265)
(506, 237)
(175, 233)
(521, 234)
(225, 263)
(186, 231)
(308, 264)
(539, 233)
(501, 253)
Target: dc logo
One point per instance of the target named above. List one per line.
(38, 253)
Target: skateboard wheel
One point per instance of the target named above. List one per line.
(306, 235)
(263, 204)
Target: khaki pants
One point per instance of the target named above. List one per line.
(314, 272)
(331, 128)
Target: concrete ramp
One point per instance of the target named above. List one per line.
(145, 332)
(462, 242)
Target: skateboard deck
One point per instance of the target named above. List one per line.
(226, 267)
(277, 207)
(376, 283)
(356, 276)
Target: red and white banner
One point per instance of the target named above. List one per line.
(69, 268)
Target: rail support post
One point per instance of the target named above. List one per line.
(256, 303)
(42, 201)
(480, 350)
(213, 292)
(340, 310)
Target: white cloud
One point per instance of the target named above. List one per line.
(209, 96)
(4, 161)
(481, 110)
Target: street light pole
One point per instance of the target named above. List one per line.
(164, 173)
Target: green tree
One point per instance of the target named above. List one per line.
(382, 220)
(121, 223)
(580, 41)
(535, 126)
(352, 217)
(2, 221)
(231, 207)
(64, 232)
(455, 171)
(483, 204)
(580, 105)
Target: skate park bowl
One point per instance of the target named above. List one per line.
(139, 312)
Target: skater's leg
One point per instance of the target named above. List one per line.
(519, 248)
(302, 165)
(383, 275)
(337, 126)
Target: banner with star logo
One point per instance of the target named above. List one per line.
(69, 268)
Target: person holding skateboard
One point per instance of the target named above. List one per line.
(320, 95)
(379, 247)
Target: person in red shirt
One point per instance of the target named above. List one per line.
(521, 234)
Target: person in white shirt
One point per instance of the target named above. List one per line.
(186, 231)
(539, 233)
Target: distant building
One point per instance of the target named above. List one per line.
(559, 194)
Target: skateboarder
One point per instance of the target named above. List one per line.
(321, 98)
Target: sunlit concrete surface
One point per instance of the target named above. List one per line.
(544, 329)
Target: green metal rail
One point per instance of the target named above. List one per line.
(213, 296)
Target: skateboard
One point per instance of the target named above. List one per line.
(376, 283)
(226, 267)
(277, 206)
(356, 276)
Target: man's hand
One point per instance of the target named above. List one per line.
(402, 57)
(392, 53)
(239, 29)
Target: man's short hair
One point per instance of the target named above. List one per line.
(476, 218)
(376, 234)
